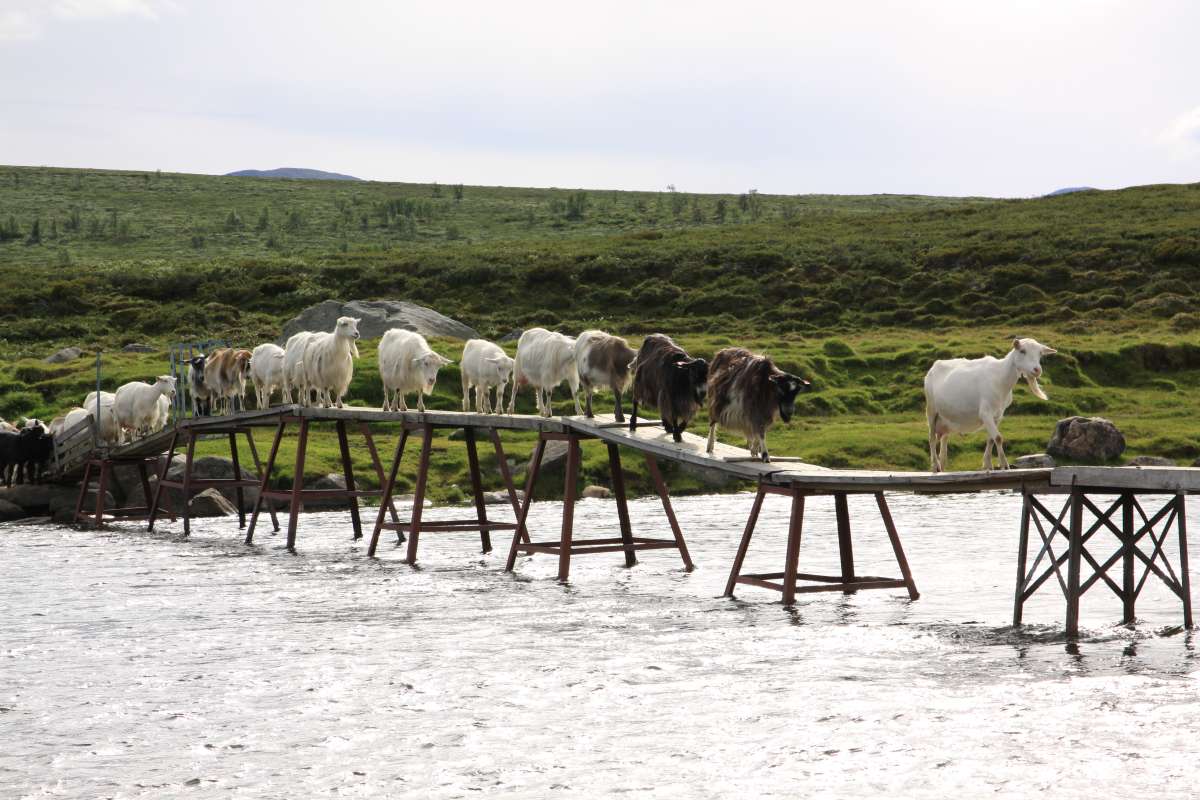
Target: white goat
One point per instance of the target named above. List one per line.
(329, 361)
(109, 430)
(293, 368)
(266, 371)
(484, 365)
(963, 395)
(544, 360)
(137, 404)
(407, 364)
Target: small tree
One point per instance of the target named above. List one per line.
(576, 205)
(35, 233)
(721, 209)
(458, 192)
(437, 190)
(697, 213)
(264, 220)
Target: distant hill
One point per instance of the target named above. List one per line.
(293, 172)
(1071, 190)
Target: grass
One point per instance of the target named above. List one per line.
(858, 294)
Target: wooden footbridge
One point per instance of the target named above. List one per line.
(1114, 500)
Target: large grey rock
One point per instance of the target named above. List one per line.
(500, 498)
(710, 477)
(10, 511)
(377, 316)
(216, 467)
(1149, 461)
(1033, 461)
(1087, 439)
(211, 503)
(330, 481)
(555, 457)
(62, 504)
(64, 355)
(511, 336)
(134, 347)
(32, 497)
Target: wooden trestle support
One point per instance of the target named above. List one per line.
(787, 581)
(1135, 526)
(295, 496)
(189, 484)
(416, 524)
(567, 545)
(100, 468)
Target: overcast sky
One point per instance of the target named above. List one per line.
(1003, 98)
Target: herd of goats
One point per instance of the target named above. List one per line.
(742, 391)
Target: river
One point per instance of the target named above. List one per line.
(148, 665)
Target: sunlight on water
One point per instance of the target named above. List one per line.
(139, 665)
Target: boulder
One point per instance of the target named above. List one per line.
(1087, 439)
(134, 347)
(330, 481)
(216, 467)
(62, 504)
(511, 336)
(64, 355)
(554, 458)
(599, 492)
(407, 499)
(211, 503)
(10, 511)
(500, 498)
(1033, 461)
(32, 497)
(1149, 461)
(708, 476)
(378, 316)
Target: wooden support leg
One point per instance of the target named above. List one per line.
(1184, 580)
(388, 486)
(348, 474)
(530, 482)
(485, 538)
(237, 474)
(365, 429)
(105, 472)
(258, 465)
(661, 486)
(1075, 555)
(508, 482)
(1128, 581)
(745, 543)
(792, 561)
(83, 489)
(618, 484)
(897, 548)
(264, 484)
(845, 540)
(187, 483)
(568, 519)
(1022, 558)
(162, 476)
(414, 532)
(296, 504)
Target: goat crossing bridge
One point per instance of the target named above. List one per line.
(1113, 500)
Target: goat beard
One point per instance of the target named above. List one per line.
(1035, 387)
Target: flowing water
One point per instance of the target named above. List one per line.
(147, 665)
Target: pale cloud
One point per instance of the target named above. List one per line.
(17, 24)
(1182, 136)
(23, 20)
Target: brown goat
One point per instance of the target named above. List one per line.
(747, 393)
(603, 360)
(225, 373)
(665, 377)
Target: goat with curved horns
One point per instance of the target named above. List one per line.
(963, 395)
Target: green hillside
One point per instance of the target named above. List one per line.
(858, 293)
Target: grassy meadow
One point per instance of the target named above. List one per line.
(859, 294)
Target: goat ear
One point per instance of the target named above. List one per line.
(1048, 351)
(1017, 346)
